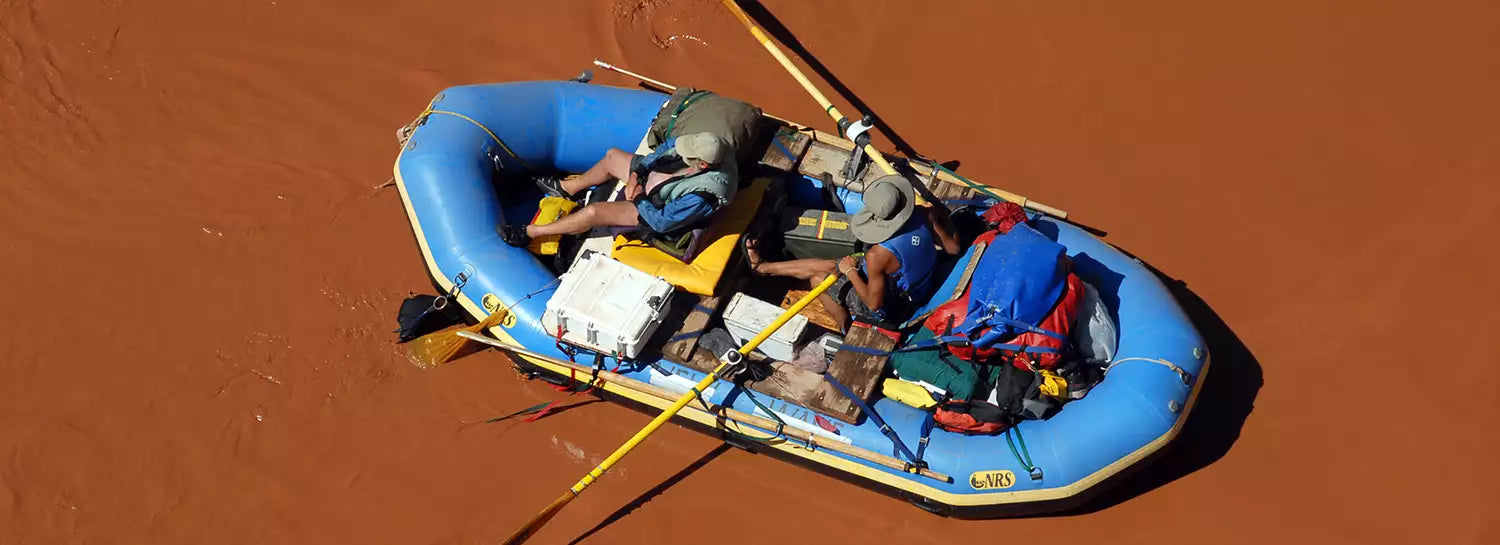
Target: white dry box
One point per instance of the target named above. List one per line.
(746, 317)
(607, 306)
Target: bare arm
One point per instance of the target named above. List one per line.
(942, 225)
(879, 262)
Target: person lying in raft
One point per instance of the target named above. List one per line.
(893, 277)
(669, 192)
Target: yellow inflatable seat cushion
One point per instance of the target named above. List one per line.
(702, 274)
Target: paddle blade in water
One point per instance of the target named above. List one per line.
(434, 349)
(431, 350)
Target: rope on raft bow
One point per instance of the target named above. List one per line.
(411, 128)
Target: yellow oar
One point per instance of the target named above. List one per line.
(875, 155)
(541, 518)
(838, 117)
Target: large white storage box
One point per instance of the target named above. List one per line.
(607, 306)
(746, 317)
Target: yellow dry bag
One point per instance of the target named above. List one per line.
(909, 393)
(1053, 385)
(551, 209)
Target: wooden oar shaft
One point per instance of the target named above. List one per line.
(525, 532)
(688, 397)
(650, 428)
(838, 117)
(946, 175)
(954, 178)
(619, 453)
(653, 82)
(718, 411)
(833, 111)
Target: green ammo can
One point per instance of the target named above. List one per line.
(821, 234)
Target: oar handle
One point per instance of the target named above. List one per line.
(1045, 209)
(999, 193)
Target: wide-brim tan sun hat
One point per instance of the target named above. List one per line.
(703, 146)
(889, 203)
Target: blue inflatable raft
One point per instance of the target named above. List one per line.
(446, 173)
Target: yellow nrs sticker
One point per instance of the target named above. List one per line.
(995, 478)
(491, 304)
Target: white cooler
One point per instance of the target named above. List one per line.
(607, 306)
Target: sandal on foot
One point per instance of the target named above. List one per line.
(554, 187)
(514, 235)
(752, 262)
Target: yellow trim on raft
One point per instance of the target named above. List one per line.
(893, 480)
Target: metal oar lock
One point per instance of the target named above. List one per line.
(739, 369)
(859, 133)
(736, 365)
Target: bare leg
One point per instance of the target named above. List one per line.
(601, 214)
(812, 270)
(614, 165)
(836, 311)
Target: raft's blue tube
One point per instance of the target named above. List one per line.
(447, 168)
(445, 175)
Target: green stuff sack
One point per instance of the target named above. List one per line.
(961, 379)
(691, 111)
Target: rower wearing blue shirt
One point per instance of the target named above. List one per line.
(668, 192)
(892, 278)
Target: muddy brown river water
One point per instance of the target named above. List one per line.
(200, 281)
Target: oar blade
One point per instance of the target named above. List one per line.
(434, 349)
(525, 532)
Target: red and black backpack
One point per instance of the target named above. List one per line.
(971, 417)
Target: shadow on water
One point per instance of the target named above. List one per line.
(1224, 403)
(654, 492)
(773, 26)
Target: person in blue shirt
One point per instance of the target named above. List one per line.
(886, 283)
(668, 192)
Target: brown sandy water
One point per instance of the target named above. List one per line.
(200, 280)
